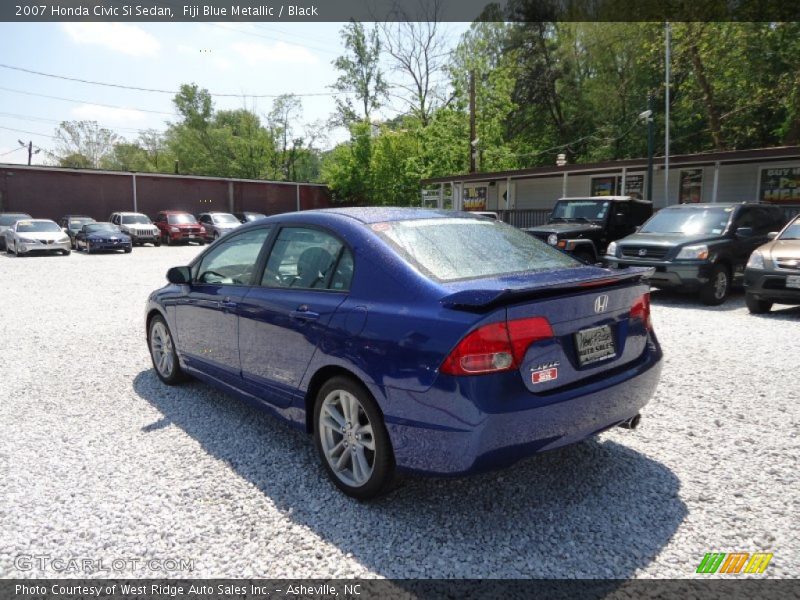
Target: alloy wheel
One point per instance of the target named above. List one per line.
(162, 350)
(347, 438)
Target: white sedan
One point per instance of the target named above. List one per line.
(36, 235)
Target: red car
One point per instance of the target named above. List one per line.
(179, 226)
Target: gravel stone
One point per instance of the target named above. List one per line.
(99, 460)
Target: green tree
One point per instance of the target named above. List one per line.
(84, 139)
(361, 74)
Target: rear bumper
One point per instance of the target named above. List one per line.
(464, 425)
(687, 276)
(770, 286)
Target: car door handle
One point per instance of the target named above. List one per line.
(228, 306)
(303, 314)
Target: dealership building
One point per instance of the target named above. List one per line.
(761, 175)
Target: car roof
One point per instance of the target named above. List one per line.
(174, 212)
(39, 220)
(76, 217)
(126, 212)
(379, 214)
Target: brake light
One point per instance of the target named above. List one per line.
(641, 310)
(496, 347)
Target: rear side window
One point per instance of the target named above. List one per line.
(450, 249)
(304, 258)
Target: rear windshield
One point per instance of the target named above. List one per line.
(11, 219)
(181, 219)
(452, 249)
(792, 232)
(40, 226)
(135, 220)
(690, 221)
(78, 223)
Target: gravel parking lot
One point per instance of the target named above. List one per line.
(99, 460)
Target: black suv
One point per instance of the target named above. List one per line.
(698, 247)
(585, 226)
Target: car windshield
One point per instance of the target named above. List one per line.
(95, 227)
(581, 210)
(135, 220)
(450, 249)
(792, 232)
(8, 220)
(689, 221)
(225, 219)
(183, 219)
(37, 226)
(78, 223)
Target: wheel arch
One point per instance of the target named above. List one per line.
(324, 374)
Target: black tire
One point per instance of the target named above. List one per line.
(216, 236)
(66, 252)
(716, 291)
(87, 247)
(168, 239)
(157, 242)
(202, 242)
(383, 465)
(128, 250)
(170, 377)
(756, 306)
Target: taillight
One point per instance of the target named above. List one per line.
(641, 310)
(496, 347)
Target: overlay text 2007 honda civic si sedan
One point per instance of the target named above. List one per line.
(427, 341)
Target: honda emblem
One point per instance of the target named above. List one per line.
(601, 303)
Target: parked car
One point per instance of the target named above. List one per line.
(585, 226)
(36, 235)
(247, 217)
(97, 237)
(71, 225)
(7, 219)
(380, 332)
(179, 226)
(772, 274)
(217, 224)
(138, 226)
(698, 247)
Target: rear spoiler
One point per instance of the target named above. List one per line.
(478, 300)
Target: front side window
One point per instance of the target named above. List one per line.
(233, 262)
(450, 249)
(305, 258)
(689, 221)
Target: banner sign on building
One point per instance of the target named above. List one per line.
(474, 198)
(781, 185)
(691, 188)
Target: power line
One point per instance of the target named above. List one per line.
(12, 150)
(34, 119)
(52, 137)
(157, 112)
(156, 90)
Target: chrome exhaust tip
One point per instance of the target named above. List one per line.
(631, 423)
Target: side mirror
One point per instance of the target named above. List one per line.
(772, 235)
(179, 275)
(744, 232)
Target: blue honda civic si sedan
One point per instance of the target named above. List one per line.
(429, 341)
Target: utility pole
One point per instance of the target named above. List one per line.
(473, 141)
(666, 114)
(650, 133)
(29, 146)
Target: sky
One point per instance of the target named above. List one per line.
(225, 58)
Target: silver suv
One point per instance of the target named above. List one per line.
(138, 226)
(217, 224)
